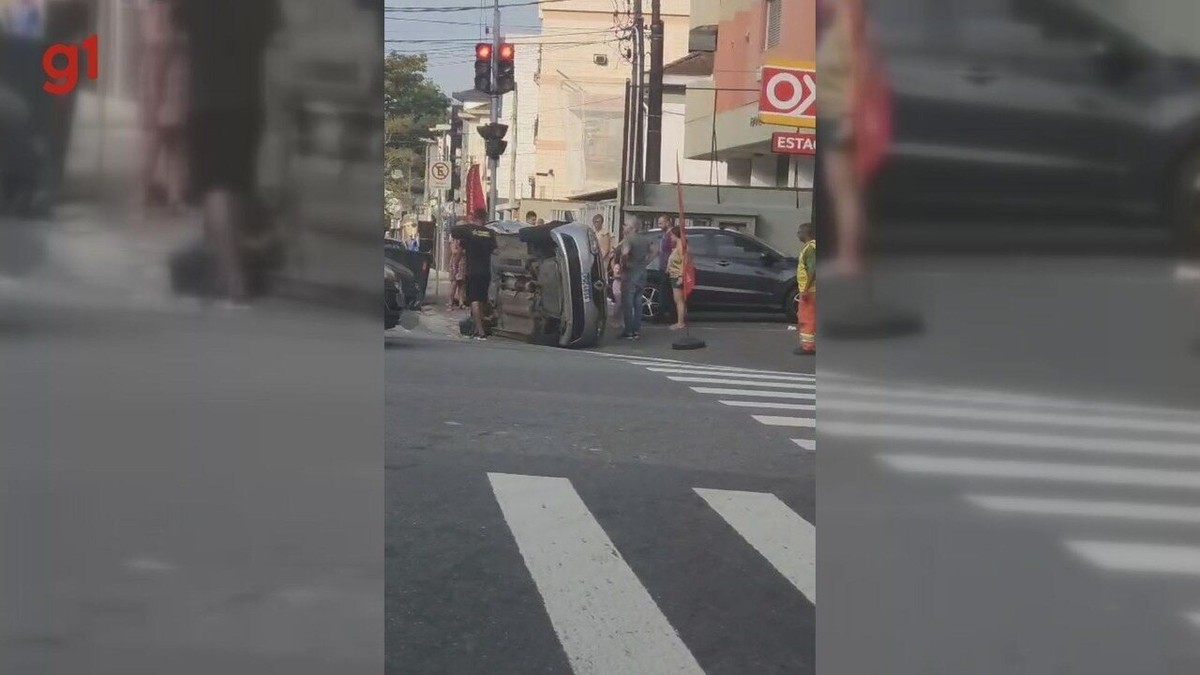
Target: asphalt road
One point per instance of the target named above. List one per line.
(189, 491)
(551, 511)
(1015, 490)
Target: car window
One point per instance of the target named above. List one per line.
(732, 247)
(1017, 31)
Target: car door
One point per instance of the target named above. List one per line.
(1047, 113)
(707, 290)
(745, 271)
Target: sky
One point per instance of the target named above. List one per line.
(450, 36)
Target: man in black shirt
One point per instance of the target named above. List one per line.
(478, 242)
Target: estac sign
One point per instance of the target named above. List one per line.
(800, 143)
(788, 94)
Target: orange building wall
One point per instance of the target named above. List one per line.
(741, 37)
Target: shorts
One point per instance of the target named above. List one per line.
(223, 149)
(478, 286)
(676, 282)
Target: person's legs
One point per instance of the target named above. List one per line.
(626, 310)
(633, 322)
(848, 210)
(680, 307)
(221, 219)
(808, 323)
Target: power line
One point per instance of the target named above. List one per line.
(464, 8)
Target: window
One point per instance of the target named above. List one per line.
(732, 247)
(774, 22)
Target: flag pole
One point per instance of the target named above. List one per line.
(686, 342)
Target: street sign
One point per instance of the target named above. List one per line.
(439, 176)
(788, 94)
(794, 143)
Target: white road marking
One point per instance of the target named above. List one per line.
(770, 406)
(743, 383)
(1170, 513)
(998, 398)
(1042, 471)
(603, 616)
(786, 421)
(739, 373)
(754, 392)
(1139, 558)
(833, 403)
(1012, 439)
(785, 539)
(805, 444)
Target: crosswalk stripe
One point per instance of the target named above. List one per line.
(765, 405)
(743, 383)
(1012, 439)
(805, 443)
(756, 376)
(635, 357)
(1087, 509)
(836, 404)
(785, 539)
(1041, 471)
(786, 421)
(1139, 558)
(719, 391)
(834, 388)
(603, 616)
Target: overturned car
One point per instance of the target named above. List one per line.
(548, 285)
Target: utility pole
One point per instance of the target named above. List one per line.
(654, 115)
(494, 162)
(639, 78)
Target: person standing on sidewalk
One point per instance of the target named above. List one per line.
(458, 275)
(806, 282)
(478, 243)
(164, 82)
(635, 254)
(665, 248)
(227, 42)
(676, 264)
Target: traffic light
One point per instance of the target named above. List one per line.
(506, 79)
(493, 139)
(483, 67)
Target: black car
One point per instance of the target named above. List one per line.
(1039, 112)
(398, 286)
(735, 272)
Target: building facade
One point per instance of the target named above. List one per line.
(737, 38)
(581, 93)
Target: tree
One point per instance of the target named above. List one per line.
(412, 104)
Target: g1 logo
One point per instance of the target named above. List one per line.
(62, 79)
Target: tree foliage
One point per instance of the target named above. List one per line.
(412, 104)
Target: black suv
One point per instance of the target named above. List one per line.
(735, 272)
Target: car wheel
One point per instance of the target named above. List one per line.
(652, 305)
(1185, 205)
(791, 306)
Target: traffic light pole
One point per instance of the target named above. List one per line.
(494, 162)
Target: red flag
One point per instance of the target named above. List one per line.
(872, 114)
(475, 197)
(689, 270)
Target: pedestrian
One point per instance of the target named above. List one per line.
(226, 46)
(458, 274)
(531, 219)
(414, 244)
(665, 247)
(540, 222)
(164, 90)
(478, 244)
(25, 18)
(676, 264)
(806, 283)
(636, 253)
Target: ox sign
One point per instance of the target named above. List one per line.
(788, 95)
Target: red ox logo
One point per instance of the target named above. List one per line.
(788, 96)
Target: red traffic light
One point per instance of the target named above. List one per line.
(507, 52)
(483, 51)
